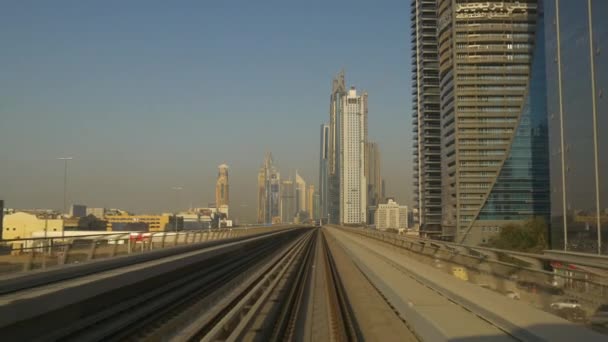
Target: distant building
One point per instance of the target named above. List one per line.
(323, 190)
(391, 216)
(97, 212)
(269, 191)
(156, 223)
(262, 195)
(373, 174)
(21, 225)
(310, 201)
(222, 195)
(78, 210)
(353, 185)
(347, 190)
(300, 193)
(336, 105)
(288, 201)
(86, 223)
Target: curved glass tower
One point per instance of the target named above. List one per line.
(494, 141)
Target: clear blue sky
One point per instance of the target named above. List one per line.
(146, 95)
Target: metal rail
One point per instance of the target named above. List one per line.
(344, 323)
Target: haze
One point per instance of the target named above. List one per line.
(147, 95)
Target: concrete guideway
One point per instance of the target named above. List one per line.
(376, 320)
(124, 302)
(438, 306)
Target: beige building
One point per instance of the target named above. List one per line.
(391, 215)
(156, 223)
(310, 200)
(222, 195)
(22, 225)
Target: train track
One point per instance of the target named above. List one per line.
(147, 309)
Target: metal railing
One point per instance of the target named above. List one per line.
(22, 255)
(504, 270)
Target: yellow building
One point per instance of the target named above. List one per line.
(222, 194)
(310, 200)
(21, 225)
(156, 223)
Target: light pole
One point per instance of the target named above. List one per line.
(177, 189)
(65, 182)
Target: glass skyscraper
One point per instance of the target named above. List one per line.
(493, 116)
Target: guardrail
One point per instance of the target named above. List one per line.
(535, 273)
(22, 255)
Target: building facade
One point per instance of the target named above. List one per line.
(269, 192)
(310, 200)
(288, 201)
(391, 215)
(374, 179)
(300, 193)
(155, 223)
(22, 225)
(426, 117)
(262, 195)
(494, 139)
(323, 190)
(577, 75)
(373, 174)
(336, 105)
(353, 138)
(222, 194)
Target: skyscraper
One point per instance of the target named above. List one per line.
(300, 193)
(222, 195)
(269, 185)
(373, 174)
(374, 179)
(310, 200)
(262, 201)
(288, 201)
(346, 157)
(353, 137)
(494, 147)
(426, 117)
(336, 105)
(323, 190)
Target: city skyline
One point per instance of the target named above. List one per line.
(101, 82)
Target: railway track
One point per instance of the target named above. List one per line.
(155, 300)
(284, 286)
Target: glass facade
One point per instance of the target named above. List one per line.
(578, 140)
(494, 143)
(521, 190)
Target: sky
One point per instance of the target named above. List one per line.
(149, 95)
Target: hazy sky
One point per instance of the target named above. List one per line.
(146, 95)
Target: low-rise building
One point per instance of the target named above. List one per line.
(21, 225)
(155, 223)
(391, 215)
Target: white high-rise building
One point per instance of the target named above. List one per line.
(353, 138)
